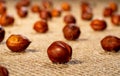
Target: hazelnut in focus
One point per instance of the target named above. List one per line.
(59, 52)
(71, 32)
(66, 6)
(115, 19)
(6, 20)
(17, 43)
(3, 71)
(41, 26)
(111, 43)
(22, 12)
(107, 12)
(2, 8)
(56, 13)
(113, 6)
(2, 33)
(45, 14)
(35, 8)
(98, 25)
(68, 19)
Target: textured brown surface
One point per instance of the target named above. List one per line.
(88, 58)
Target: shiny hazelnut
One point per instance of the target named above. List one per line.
(22, 12)
(55, 13)
(98, 25)
(111, 43)
(3, 71)
(47, 4)
(66, 6)
(87, 15)
(45, 14)
(6, 20)
(2, 8)
(41, 26)
(59, 52)
(35, 8)
(68, 19)
(17, 43)
(71, 32)
(2, 33)
(107, 12)
(113, 6)
(115, 19)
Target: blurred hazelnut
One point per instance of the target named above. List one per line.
(3, 71)
(66, 6)
(6, 20)
(47, 4)
(17, 43)
(110, 43)
(98, 25)
(115, 19)
(87, 15)
(2, 33)
(55, 13)
(85, 6)
(71, 32)
(41, 26)
(69, 19)
(35, 8)
(45, 14)
(22, 12)
(107, 12)
(2, 8)
(113, 6)
(59, 52)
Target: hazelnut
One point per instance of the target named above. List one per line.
(59, 52)
(98, 25)
(107, 12)
(113, 6)
(87, 15)
(2, 8)
(55, 13)
(68, 19)
(2, 33)
(22, 12)
(115, 19)
(35, 8)
(110, 43)
(6, 20)
(41, 26)
(85, 6)
(66, 6)
(47, 4)
(71, 32)
(45, 14)
(17, 43)
(3, 71)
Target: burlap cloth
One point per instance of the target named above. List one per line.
(88, 58)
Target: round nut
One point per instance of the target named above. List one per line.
(44, 14)
(22, 12)
(113, 6)
(59, 52)
(66, 6)
(115, 19)
(98, 25)
(41, 26)
(2, 8)
(35, 8)
(68, 19)
(6, 20)
(86, 15)
(71, 32)
(55, 13)
(47, 4)
(3, 71)
(110, 43)
(2, 33)
(17, 43)
(107, 12)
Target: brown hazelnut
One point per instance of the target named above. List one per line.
(45, 14)
(66, 6)
(55, 13)
(98, 24)
(87, 15)
(2, 8)
(41, 26)
(3, 71)
(113, 6)
(110, 43)
(85, 6)
(6, 20)
(17, 43)
(59, 52)
(115, 19)
(35, 8)
(22, 12)
(71, 32)
(47, 4)
(107, 12)
(2, 33)
(68, 19)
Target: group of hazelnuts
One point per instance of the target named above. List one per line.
(58, 51)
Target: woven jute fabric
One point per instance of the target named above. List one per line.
(88, 58)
